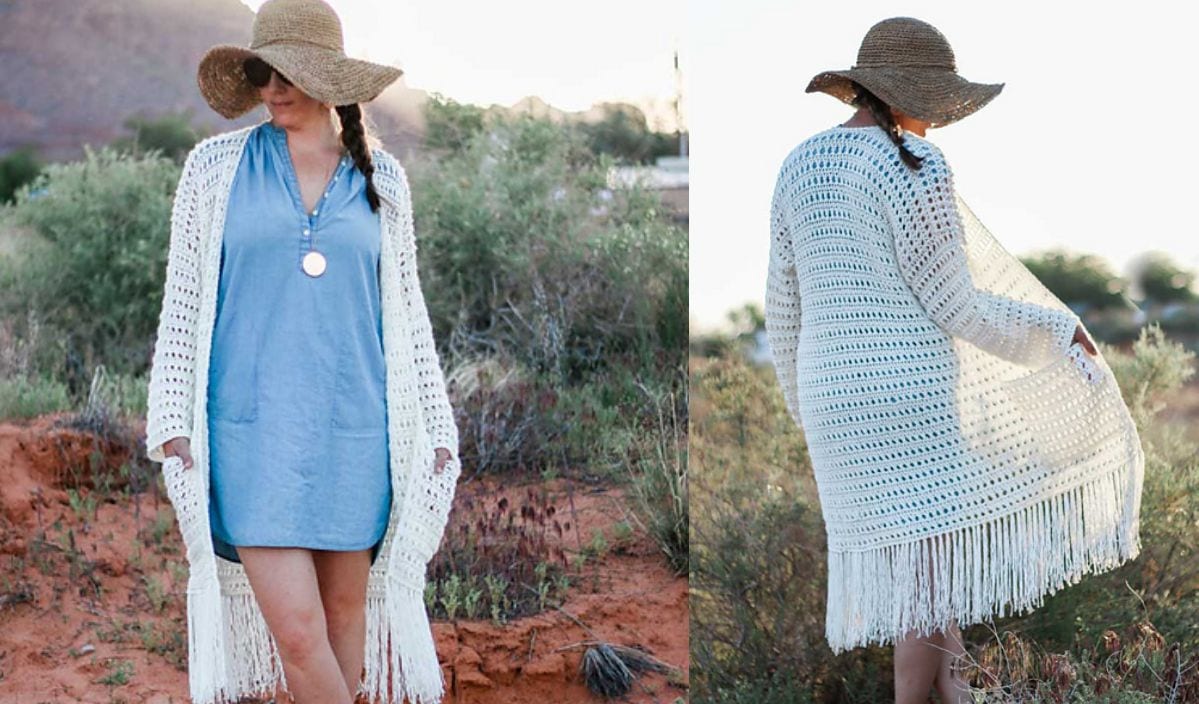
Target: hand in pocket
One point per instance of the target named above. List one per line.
(179, 447)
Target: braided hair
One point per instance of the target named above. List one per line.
(353, 136)
(882, 115)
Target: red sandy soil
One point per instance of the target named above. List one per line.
(92, 609)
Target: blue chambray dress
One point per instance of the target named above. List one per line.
(297, 414)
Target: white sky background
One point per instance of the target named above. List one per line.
(570, 54)
(1092, 146)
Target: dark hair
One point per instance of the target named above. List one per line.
(353, 136)
(882, 115)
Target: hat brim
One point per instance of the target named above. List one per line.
(934, 95)
(323, 74)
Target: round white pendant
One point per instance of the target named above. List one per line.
(314, 263)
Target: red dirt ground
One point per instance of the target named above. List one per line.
(92, 608)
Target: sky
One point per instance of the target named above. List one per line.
(1090, 147)
(570, 54)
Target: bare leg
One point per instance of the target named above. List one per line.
(342, 576)
(285, 586)
(951, 686)
(917, 661)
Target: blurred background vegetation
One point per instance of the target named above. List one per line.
(758, 554)
(558, 297)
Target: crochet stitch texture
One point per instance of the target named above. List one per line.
(231, 652)
(968, 457)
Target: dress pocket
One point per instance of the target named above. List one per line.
(359, 390)
(233, 388)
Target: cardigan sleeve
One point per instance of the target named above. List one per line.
(782, 303)
(172, 370)
(931, 254)
(435, 403)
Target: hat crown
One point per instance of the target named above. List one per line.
(905, 41)
(297, 21)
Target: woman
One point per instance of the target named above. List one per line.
(295, 348)
(971, 449)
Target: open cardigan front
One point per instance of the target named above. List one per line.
(231, 652)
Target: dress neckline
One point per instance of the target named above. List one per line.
(279, 135)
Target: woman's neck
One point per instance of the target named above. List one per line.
(316, 134)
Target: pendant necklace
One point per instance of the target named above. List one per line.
(314, 262)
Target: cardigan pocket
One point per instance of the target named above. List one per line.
(1061, 406)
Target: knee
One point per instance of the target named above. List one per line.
(344, 612)
(301, 635)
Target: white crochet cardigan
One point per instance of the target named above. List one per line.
(968, 456)
(231, 652)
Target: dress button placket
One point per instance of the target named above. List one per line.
(307, 232)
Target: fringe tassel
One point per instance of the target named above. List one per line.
(977, 572)
(254, 663)
(205, 647)
(414, 667)
(399, 641)
(374, 683)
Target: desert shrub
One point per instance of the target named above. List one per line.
(172, 135)
(658, 471)
(94, 276)
(501, 560)
(24, 397)
(17, 168)
(504, 415)
(526, 250)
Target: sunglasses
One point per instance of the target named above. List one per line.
(258, 72)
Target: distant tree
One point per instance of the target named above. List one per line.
(624, 133)
(450, 125)
(17, 168)
(1161, 280)
(1078, 278)
(171, 134)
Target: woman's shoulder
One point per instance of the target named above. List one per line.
(390, 178)
(212, 149)
(837, 140)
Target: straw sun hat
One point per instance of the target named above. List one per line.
(302, 39)
(910, 66)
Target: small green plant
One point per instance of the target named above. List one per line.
(120, 672)
(497, 596)
(598, 547)
(82, 505)
(471, 602)
(155, 592)
(451, 595)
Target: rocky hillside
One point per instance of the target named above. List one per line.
(75, 70)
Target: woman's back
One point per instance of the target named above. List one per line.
(929, 372)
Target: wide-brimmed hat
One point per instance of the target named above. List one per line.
(302, 39)
(910, 66)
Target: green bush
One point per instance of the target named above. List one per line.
(171, 135)
(17, 168)
(526, 251)
(95, 275)
(23, 398)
